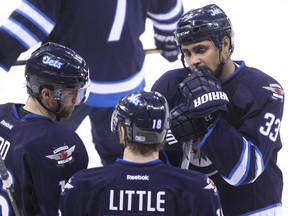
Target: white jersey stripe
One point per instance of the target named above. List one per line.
(116, 87)
(238, 175)
(20, 33)
(240, 170)
(37, 17)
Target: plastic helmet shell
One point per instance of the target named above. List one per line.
(55, 66)
(145, 115)
(208, 22)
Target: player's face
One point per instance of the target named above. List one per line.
(203, 53)
(69, 99)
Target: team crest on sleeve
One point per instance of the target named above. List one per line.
(277, 91)
(62, 154)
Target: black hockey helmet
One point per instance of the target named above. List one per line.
(57, 67)
(145, 116)
(203, 23)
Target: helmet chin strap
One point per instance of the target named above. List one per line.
(219, 70)
(183, 62)
(56, 113)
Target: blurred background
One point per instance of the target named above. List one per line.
(260, 40)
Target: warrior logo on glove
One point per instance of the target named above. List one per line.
(203, 92)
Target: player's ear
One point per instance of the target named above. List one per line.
(226, 44)
(46, 93)
(122, 136)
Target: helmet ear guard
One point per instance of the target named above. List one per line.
(145, 116)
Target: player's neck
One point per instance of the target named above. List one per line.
(33, 106)
(228, 69)
(139, 158)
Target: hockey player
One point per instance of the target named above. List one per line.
(238, 109)
(140, 184)
(41, 155)
(107, 35)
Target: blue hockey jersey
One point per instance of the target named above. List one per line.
(40, 156)
(152, 188)
(242, 147)
(99, 31)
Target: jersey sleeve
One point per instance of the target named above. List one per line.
(165, 14)
(27, 26)
(244, 143)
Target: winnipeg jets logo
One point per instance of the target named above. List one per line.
(134, 99)
(198, 158)
(200, 162)
(62, 155)
(277, 91)
(215, 11)
(52, 62)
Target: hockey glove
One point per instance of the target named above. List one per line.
(204, 94)
(165, 42)
(183, 126)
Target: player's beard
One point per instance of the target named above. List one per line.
(219, 70)
(65, 113)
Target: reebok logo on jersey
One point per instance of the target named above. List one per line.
(7, 124)
(138, 177)
(211, 96)
(52, 62)
(278, 92)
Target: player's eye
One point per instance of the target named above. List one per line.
(187, 54)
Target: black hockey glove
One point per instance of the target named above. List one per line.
(165, 42)
(183, 126)
(204, 94)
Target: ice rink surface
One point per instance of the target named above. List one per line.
(260, 40)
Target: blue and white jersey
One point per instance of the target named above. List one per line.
(146, 189)
(239, 152)
(105, 33)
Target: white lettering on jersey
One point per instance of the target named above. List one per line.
(144, 199)
(4, 147)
